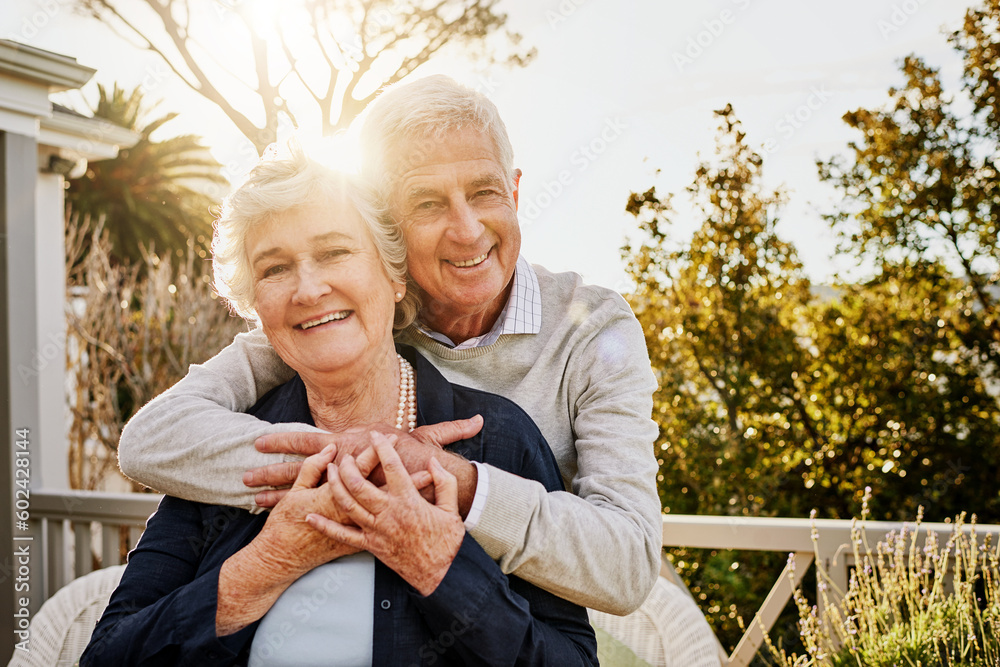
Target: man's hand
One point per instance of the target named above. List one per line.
(353, 442)
(415, 538)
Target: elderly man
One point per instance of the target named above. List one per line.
(572, 355)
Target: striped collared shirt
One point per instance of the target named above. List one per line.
(521, 315)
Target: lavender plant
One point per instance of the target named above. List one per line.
(910, 602)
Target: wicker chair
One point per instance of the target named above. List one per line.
(62, 627)
(668, 630)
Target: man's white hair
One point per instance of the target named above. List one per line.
(406, 122)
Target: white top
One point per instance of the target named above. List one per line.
(332, 605)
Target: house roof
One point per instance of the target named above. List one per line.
(56, 71)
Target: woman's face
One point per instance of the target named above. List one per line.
(322, 296)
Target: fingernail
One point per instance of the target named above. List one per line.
(247, 478)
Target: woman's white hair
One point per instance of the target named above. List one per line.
(406, 121)
(277, 185)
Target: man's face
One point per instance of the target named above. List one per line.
(458, 212)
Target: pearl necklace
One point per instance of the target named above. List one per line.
(407, 396)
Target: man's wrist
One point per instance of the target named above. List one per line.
(479, 498)
(416, 455)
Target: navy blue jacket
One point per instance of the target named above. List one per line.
(163, 612)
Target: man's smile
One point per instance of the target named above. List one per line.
(475, 261)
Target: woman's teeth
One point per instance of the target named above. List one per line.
(326, 318)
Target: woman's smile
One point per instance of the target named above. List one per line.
(337, 316)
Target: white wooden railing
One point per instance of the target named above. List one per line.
(83, 530)
(833, 547)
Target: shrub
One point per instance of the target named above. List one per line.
(906, 604)
(132, 332)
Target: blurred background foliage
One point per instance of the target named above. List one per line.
(776, 396)
(153, 195)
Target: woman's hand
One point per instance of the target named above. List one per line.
(287, 542)
(286, 548)
(415, 538)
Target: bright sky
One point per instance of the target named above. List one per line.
(619, 90)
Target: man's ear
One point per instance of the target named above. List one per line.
(517, 183)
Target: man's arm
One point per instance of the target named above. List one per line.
(600, 545)
(193, 441)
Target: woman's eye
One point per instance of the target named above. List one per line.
(334, 254)
(274, 270)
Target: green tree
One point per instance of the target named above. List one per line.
(316, 62)
(914, 353)
(921, 185)
(720, 314)
(907, 410)
(151, 194)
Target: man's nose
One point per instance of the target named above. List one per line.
(312, 285)
(465, 226)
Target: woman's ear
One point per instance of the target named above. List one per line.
(400, 291)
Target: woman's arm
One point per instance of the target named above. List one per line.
(163, 611)
(504, 621)
(252, 579)
(201, 577)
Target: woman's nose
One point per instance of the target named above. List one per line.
(312, 285)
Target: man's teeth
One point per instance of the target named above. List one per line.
(472, 262)
(326, 318)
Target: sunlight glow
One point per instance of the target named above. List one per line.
(341, 151)
(260, 15)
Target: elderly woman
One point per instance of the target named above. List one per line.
(300, 248)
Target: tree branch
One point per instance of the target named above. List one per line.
(204, 86)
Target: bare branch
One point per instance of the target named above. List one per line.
(379, 29)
